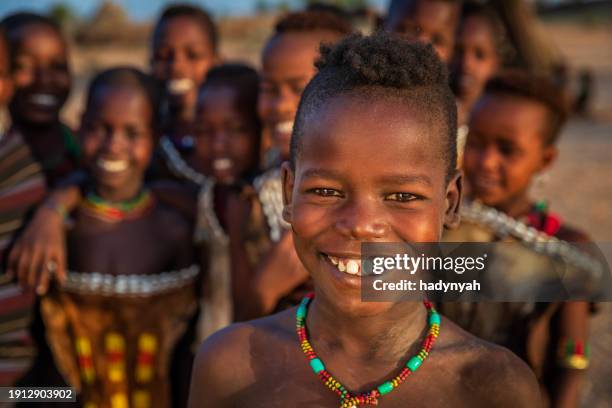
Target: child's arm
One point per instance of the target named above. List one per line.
(279, 272)
(40, 251)
(573, 334)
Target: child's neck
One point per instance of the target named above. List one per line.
(516, 207)
(386, 336)
(115, 195)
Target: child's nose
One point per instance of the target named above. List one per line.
(360, 220)
(285, 103)
(489, 158)
(219, 144)
(114, 142)
(177, 65)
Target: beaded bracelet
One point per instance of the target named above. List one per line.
(57, 208)
(574, 354)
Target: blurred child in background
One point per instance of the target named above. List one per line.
(113, 325)
(514, 128)
(265, 266)
(481, 49)
(184, 48)
(41, 77)
(22, 187)
(429, 21)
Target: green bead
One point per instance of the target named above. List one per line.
(414, 363)
(434, 318)
(301, 312)
(317, 365)
(385, 388)
(541, 206)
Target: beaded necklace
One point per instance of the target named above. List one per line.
(347, 398)
(97, 207)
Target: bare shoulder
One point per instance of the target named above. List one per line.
(226, 362)
(490, 375)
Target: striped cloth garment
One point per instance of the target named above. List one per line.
(22, 186)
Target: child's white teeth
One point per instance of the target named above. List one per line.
(112, 166)
(222, 164)
(179, 86)
(352, 267)
(285, 127)
(44, 99)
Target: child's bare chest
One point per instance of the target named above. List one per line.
(291, 383)
(135, 247)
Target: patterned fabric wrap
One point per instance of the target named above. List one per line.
(116, 350)
(22, 186)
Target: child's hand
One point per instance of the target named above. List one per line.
(40, 252)
(281, 272)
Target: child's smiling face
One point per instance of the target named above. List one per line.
(368, 171)
(430, 21)
(226, 138)
(40, 73)
(182, 55)
(505, 148)
(287, 66)
(475, 59)
(117, 140)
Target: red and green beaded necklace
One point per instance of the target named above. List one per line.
(348, 399)
(116, 212)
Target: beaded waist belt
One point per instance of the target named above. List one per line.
(505, 226)
(129, 285)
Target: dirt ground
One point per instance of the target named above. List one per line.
(579, 187)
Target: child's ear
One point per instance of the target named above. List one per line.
(288, 178)
(549, 156)
(454, 193)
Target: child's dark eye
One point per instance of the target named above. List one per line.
(401, 197)
(325, 192)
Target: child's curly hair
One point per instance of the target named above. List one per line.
(378, 66)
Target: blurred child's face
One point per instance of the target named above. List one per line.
(505, 148)
(428, 21)
(40, 74)
(6, 85)
(369, 171)
(475, 59)
(182, 56)
(288, 65)
(225, 133)
(117, 139)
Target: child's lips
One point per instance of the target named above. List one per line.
(223, 164)
(44, 100)
(179, 86)
(112, 166)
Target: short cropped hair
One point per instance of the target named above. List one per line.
(199, 15)
(127, 77)
(313, 20)
(538, 88)
(383, 63)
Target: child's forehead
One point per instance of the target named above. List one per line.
(34, 29)
(372, 127)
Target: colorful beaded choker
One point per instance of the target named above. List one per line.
(97, 207)
(348, 399)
